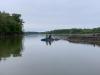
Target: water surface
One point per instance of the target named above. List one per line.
(28, 55)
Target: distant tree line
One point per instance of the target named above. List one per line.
(10, 23)
(75, 31)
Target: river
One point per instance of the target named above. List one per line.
(28, 55)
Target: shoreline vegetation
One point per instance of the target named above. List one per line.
(75, 34)
(75, 31)
(10, 24)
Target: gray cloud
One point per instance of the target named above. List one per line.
(41, 15)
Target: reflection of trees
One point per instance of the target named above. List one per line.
(95, 41)
(91, 41)
(10, 46)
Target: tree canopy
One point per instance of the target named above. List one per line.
(76, 31)
(10, 23)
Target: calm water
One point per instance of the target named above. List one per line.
(28, 55)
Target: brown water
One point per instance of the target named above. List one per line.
(28, 55)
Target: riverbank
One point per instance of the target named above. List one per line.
(85, 36)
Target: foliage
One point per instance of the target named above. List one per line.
(75, 31)
(10, 23)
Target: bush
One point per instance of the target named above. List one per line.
(10, 23)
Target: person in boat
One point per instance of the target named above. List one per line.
(50, 37)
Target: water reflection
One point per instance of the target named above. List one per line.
(10, 46)
(49, 42)
(85, 41)
(49, 39)
(93, 42)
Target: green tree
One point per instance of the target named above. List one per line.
(10, 23)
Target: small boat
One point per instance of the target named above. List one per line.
(47, 39)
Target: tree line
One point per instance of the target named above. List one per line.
(75, 31)
(10, 23)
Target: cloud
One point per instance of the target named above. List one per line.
(54, 13)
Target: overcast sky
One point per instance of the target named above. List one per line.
(43, 15)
